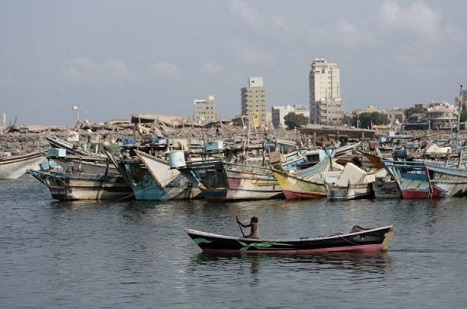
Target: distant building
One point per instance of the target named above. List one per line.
(442, 116)
(254, 100)
(279, 112)
(205, 110)
(325, 98)
(438, 116)
(396, 116)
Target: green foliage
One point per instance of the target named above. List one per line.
(293, 120)
(417, 109)
(464, 116)
(366, 120)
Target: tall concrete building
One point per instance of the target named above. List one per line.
(325, 98)
(254, 100)
(205, 110)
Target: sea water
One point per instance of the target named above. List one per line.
(136, 254)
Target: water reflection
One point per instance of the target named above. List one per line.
(378, 263)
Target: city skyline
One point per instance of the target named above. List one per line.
(115, 58)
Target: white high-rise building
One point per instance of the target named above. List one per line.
(325, 98)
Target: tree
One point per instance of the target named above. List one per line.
(367, 120)
(293, 120)
(417, 109)
(463, 116)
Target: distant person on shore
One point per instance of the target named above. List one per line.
(254, 227)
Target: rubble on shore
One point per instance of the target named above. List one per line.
(25, 139)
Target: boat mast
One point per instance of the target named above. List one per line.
(459, 111)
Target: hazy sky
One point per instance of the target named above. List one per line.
(113, 58)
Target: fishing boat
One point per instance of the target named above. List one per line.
(70, 148)
(358, 240)
(412, 179)
(243, 182)
(139, 179)
(172, 184)
(66, 186)
(308, 183)
(352, 183)
(233, 181)
(89, 164)
(12, 167)
(451, 181)
(384, 186)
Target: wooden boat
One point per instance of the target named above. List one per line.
(352, 183)
(55, 142)
(171, 182)
(384, 186)
(65, 186)
(220, 180)
(140, 180)
(412, 179)
(309, 183)
(451, 181)
(12, 167)
(301, 159)
(243, 182)
(357, 240)
(376, 161)
(89, 164)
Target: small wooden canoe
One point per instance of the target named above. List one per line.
(359, 240)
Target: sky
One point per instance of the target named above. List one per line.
(114, 58)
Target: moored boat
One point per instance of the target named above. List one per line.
(412, 179)
(352, 183)
(65, 186)
(12, 167)
(172, 183)
(308, 183)
(70, 148)
(451, 181)
(357, 240)
(243, 182)
(139, 179)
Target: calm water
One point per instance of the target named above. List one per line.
(135, 254)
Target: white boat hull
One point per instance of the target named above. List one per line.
(15, 166)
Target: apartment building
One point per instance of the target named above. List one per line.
(205, 110)
(325, 99)
(253, 99)
(279, 112)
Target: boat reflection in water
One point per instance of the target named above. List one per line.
(366, 265)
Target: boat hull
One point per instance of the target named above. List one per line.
(295, 188)
(173, 185)
(72, 187)
(451, 182)
(246, 182)
(366, 241)
(351, 192)
(385, 188)
(141, 182)
(14, 167)
(412, 179)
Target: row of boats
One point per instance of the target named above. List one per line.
(226, 174)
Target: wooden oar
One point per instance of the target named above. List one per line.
(241, 230)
